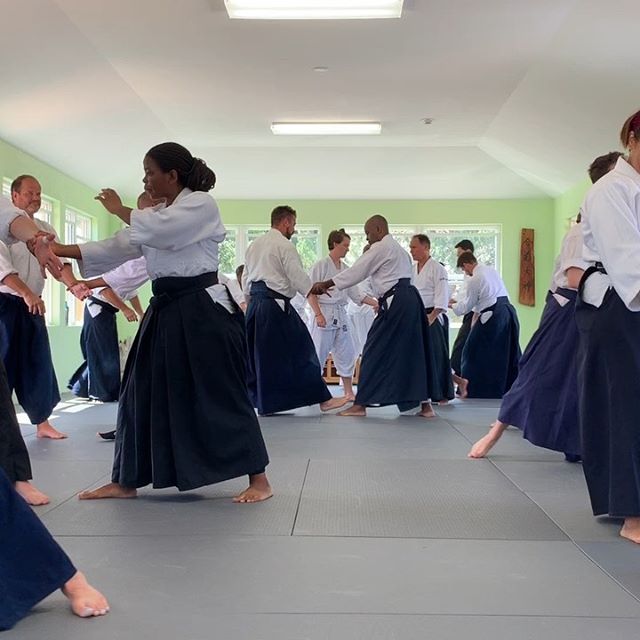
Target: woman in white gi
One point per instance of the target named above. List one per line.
(184, 417)
(330, 328)
(608, 319)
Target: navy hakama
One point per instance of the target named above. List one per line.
(184, 417)
(394, 368)
(25, 350)
(608, 375)
(459, 342)
(32, 564)
(99, 375)
(543, 400)
(492, 351)
(284, 371)
(14, 457)
(438, 366)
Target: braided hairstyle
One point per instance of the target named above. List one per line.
(193, 173)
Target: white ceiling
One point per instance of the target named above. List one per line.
(524, 93)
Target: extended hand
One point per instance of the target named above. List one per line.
(80, 290)
(110, 200)
(320, 288)
(130, 314)
(39, 247)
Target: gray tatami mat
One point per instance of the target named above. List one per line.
(418, 499)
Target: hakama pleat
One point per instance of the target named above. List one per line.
(184, 417)
(438, 365)
(25, 350)
(394, 368)
(14, 457)
(609, 404)
(32, 564)
(459, 342)
(99, 375)
(284, 370)
(543, 400)
(492, 351)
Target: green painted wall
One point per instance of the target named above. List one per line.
(65, 192)
(566, 207)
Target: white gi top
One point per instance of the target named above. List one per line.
(384, 264)
(17, 259)
(611, 234)
(8, 213)
(180, 240)
(234, 287)
(275, 260)
(125, 280)
(432, 283)
(326, 269)
(570, 257)
(484, 287)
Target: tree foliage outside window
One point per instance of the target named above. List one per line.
(227, 253)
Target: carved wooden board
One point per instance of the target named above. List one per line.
(527, 293)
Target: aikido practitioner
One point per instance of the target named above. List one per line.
(330, 327)
(184, 416)
(547, 367)
(608, 319)
(284, 371)
(393, 369)
(432, 282)
(492, 350)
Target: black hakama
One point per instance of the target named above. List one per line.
(460, 341)
(609, 404)
(438, 366)
(25, 350)
(99, 375)
(394, 367)
(284, 371)
(184, 417)
(14, 457)
(492, 351)
(543, 400)
(32, 564)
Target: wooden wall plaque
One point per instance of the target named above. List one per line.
(527, 292)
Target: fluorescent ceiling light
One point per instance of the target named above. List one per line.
(326, 128)
(313, 9)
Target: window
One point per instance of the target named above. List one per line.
(78, 228)
(307, 242)
(227, 253)
(6, 188)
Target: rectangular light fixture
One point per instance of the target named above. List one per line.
(326, 128)
(313, 9)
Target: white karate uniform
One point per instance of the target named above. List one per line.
(384, 264)
(273, 259)
(234, 287)
(336, 338)
(179, 240)
(432, 283)
(570, 257)
(484, 288)
(611, 234)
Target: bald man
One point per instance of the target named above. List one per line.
(393, 368)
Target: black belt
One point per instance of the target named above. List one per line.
(167, 290)
(403, 283)
(598, 267)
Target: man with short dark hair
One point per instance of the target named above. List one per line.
(284, 372)
(492, 350)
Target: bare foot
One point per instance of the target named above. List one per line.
(33, 496)
(426, 411)
(46, 430)
(462, 388)
(258, 491)
(111, 490)
(355, 410)
(442, 403)
(351, 397)
(85, 601)
(334, 403)
(486, 443)
(631, 529)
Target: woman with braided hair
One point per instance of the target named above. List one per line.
(184, 417)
